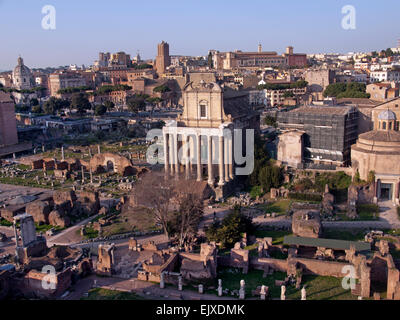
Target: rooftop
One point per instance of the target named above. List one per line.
(323, 110)
(327, 243)
(381, 135)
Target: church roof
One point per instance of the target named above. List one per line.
(380, 135)
(21, 70)
(387, 115)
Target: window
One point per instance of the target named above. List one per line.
(384, 125)
(203, 111)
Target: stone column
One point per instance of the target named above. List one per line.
(226, 157)
(242, 293)
(180, 286)
(221, 161)
(187, 155)
(231, 158)
(263, 293)
(220, 288)
(166, 154)
(199, 165)
(83, 175)
(376, 191)
(210, 162)
(283, 292)
(16, 235)
(176, 155)
(162, 281)
(171, 152)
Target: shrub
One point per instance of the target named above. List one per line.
(229, 231)
(256, 192)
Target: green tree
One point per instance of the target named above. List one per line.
(270, 121)
(53, 105)
(371, 177)
(162, 88)
(136, 103)
(37, 109)
(389, 52)
(346, 90)
(230, 230)
(80, 102)
(109, 105)
(34, 102)
(357, 178)
(100, 110)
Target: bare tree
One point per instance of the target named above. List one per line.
(177, 204)
(157, 193)
(185, 223)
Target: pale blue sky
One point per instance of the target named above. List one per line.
(86, 27)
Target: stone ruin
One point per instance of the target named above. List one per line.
(31, 245)
(279, 193)
(328, 201)
(63, 207)
(306, 223)
(239, 257)
(32, 256)
(105, 260)
(359, 195)
(202, 267)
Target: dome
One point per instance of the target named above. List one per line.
(21, 70)
(387, 115)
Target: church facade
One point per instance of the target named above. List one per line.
(201, 143)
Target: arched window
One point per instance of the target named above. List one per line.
(384, 125)
(203, 109)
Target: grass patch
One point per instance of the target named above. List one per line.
(5, 223)
(321, 288)
(368, 211)
(231, 280)
(105, 294)
(46, 227)
(280, 207)
(318, 287)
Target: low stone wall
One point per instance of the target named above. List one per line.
(275, 264)
(321, 267)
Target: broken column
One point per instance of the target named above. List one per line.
(162, 281)
(263, 292)
(180, 283)
(303, 294)
(219, 288)
(283, 292)
(242, 292)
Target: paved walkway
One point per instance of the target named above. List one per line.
(388, 213)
